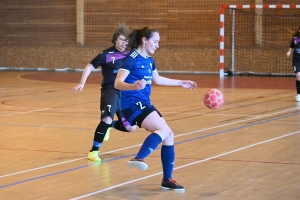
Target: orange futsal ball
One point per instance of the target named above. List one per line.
(213, 98)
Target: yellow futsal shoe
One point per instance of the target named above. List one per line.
(94, 156)
(107, 134)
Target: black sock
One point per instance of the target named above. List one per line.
(99, 135)
(298, 86)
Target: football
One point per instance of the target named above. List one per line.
(213, 98)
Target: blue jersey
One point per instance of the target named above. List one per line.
(139, 68)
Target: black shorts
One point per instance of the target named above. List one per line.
(296, 68)
(136, 114)
(110, 103)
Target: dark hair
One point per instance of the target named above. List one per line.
(122, 30)
(135, 37)
(297, 34)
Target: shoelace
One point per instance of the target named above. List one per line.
(173, 181)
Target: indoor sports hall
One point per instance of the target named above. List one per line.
(246, 149)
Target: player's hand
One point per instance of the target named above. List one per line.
(140, 84)
(189, 84)
(288, 54)
(79, 87)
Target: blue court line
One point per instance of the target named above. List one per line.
(44, 176)
(240, 127)
(69, 170)
(126, 156)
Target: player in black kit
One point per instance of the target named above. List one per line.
(110, 61)
(295, 45)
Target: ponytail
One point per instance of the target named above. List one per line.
(135, 37)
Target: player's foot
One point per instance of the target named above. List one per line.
(137, 163)
(107, 134)
(171, 185)
(298, 97)
(94, 156)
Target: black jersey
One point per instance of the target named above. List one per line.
(110, 61)
(295, 44)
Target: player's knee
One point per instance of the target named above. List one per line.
(165, 133)
(168, 138)
(171, 134)
(130, 128)
(107, 120)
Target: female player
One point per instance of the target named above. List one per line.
(295, 45)
(134, 79)
(110, 61)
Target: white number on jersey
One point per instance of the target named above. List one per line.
(140, 104)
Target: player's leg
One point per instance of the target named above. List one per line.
(168, 160)
(167, 152)
(110, 106)
(99, 135)
(102, 128)
(297, 72)
(150, 119)
(113, 100)
(153, 121)
(107, 120)
(122, 124)
(135, 115)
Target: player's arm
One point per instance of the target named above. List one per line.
(120, 83)
(161, 80)
(86, 72)
(289, 52)
(292, 46)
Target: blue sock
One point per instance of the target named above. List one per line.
(167, 159)
(99, 135)
(150, 143)
(96, 146)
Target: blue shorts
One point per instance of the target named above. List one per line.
(135, 114)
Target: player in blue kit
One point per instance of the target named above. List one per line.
(134, 79)
(295, 45)
(110, 61)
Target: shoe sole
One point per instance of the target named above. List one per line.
(136, 164)
(92, 159)
(166, 188)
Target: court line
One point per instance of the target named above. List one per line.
(126, 156)
(186, 165)
(60, 163)
(180, 135)
(19, 113)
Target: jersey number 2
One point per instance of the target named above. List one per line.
(140, 104)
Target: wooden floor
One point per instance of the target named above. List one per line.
(249, 149)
